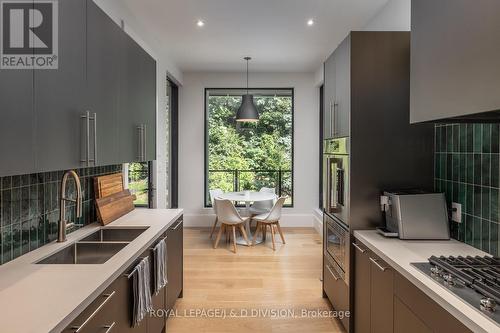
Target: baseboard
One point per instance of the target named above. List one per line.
(287, 220)
(318, 221)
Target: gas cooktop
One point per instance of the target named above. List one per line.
(476, 280)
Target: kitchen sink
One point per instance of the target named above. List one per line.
(84, 253)
(114, 235)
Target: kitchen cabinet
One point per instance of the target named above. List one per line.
(103, 81)
(17, 123)
(102, 71)
(174, 263)
(137, 100)
(337, 103)
(373, 292)
(328, 97)
(455, 68)
(59, 95)
(385, 301)
(336, 289)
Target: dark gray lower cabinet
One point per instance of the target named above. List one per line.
(112, 310)
(385, 301)
(174, 263)
(336, 290)
(373, 292)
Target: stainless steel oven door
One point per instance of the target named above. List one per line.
(336, 186)
(336, 242)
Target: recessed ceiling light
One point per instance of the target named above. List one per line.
(310, 22)
(200, 23)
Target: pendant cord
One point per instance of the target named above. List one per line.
(247, 76)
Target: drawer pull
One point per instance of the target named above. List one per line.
(109, 327)
(358, 248)
(177, 225)
(382, 268)
(331, 272)
(106, 300)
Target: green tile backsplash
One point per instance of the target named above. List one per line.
(29, 208)
(467, 171)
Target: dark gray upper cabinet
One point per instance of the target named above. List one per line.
(60, 95)
(102, 72)
(103, 80)
(329, 97)
(337, 90)
(137, 100)
(17, 122)
(455, 63)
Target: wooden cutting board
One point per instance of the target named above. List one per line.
(114, 206)
(107, 185)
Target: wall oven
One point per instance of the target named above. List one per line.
(336, 246)
(336, 178)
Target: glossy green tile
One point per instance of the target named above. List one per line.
(478, 196)
(25, 237)
(437, 138)
(449, 166)
(485, 235)
(477, 169)
(34, 227)
(495, 138)
(485, 202)
(494, 205)
(455, 167)
(485, 169)
(495, 172)
(456, 138)
(477, 234)
(494, 238)
(463, 138)
(469, 229)
(478, 138)
(469, 199)
(449, 138)
(469, 170)
(486, 139)
(6, 244)
(463, 170)
(470, 138)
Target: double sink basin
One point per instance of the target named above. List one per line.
(96, 248)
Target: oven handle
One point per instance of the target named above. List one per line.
(331, 272)
(358, 247)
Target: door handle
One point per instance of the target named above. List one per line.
(358, 248)
(95, 139)
(88, 118)
(144, 142)
(331, 272)
(107, 297)
(332, 120)
(335, 117)
(140, 143)
(375, 261)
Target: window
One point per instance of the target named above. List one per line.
(249, 156)
(139, 183)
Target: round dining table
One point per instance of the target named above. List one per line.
(248, 197)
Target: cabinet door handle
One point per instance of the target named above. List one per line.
(144, 142)
(382, 268)
(140, 144)
(177, 225)
(332, 121)
(331, 272)
(93, 314)
(358, 248)
(86, 117)
(95, 139)
(109, 327)
(335, 117)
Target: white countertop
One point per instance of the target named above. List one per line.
(47, 298)
(400, 253)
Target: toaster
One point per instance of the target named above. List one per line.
(415, 214)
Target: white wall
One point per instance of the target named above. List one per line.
(118, 12)
(191, 141)
(394, 16)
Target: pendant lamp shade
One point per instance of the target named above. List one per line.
(247, 111)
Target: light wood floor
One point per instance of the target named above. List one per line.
(254, 279)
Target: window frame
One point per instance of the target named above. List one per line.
(206, 195)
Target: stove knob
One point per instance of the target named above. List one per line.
(488, 304)
(448, 279)
(435, 270)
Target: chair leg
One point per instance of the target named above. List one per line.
(272, 235)
(264, 231)
(234, 238)
(219, 234)
(213, 227)
(244, 233)
(281, 232)
(257, 229)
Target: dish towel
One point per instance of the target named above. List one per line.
(142, 290)
(160, 260)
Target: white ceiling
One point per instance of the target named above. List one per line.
(273, 32)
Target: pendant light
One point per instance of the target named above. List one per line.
(247, 111)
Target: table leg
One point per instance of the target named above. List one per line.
(241, 240)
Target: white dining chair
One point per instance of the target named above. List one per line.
(262, 207)
(271, 219)
(229, 219)
(215, 193)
